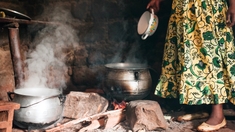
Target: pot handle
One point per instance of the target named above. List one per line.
(144, 36)
(152, 11)
(136, 75)
(9, 95)
(62, 98)
(152, 69)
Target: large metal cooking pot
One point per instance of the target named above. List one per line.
(38, 106)
(127, 81)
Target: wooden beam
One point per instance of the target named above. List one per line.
(23, 21)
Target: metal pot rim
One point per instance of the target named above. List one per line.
(37, 92)
(126, 66)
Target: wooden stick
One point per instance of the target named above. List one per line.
(76, 121)
(23, 21)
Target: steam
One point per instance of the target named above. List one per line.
(46, 67)
(128, 49)
(128, 54)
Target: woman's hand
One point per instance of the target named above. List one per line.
(155, 4)
(231, 13)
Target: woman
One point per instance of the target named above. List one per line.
(199, 58)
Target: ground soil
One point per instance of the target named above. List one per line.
(171, 109)
(174, 126)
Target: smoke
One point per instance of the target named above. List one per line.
(46, 67)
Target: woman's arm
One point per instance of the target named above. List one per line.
(155, 4)
(231, 13)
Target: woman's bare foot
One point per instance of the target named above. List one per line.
(217, 115)
(215, 121)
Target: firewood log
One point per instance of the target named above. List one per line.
(76, 121)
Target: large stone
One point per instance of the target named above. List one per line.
(81, 104)
(145, 115)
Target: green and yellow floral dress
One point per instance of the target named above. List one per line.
(199, 55)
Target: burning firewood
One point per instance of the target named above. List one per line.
(117, 105)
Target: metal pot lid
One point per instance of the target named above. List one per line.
(126, 66)
(14, 14)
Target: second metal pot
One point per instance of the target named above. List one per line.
(127, 81)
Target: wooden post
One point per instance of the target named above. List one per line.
(14, 41)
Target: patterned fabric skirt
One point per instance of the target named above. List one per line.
(199, 56)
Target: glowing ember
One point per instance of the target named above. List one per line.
(118, 105)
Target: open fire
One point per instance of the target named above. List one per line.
(117, 105)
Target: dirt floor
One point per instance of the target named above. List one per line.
(174, 126)
(171, 111)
